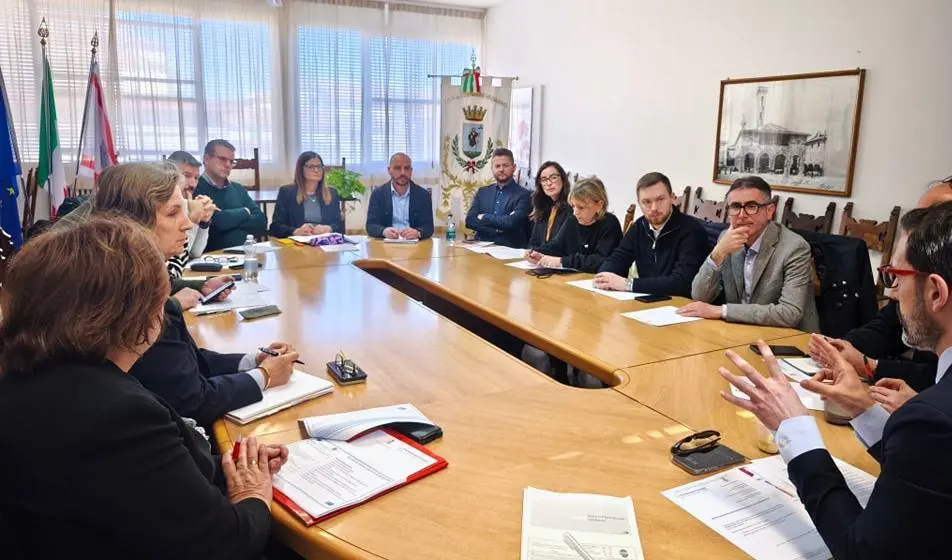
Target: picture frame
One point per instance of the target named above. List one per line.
(520, 126)
(798, 132)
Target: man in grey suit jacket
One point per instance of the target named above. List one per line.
(763, 269)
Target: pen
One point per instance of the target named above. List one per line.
(235, 449)
(274, 353)
(211, 312)
(771, 484)
(568, 539)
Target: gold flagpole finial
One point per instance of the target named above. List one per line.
(43, 32)
(94, 43)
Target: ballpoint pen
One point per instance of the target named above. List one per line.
(275, 354)
(568, 539)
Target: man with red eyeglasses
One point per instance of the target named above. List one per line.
(876, 350)
(906, 515)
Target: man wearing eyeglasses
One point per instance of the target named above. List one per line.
(906, 515)
(237, 216)
(876, 350)
(762, 269)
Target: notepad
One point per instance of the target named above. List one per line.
(346, 425)
(589, 285)
(401, 241)
(660, 316)
(301, 387)
(324, 478)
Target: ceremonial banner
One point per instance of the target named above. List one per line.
(475, 121)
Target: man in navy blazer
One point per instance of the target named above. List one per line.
(500, 212)
(907, 513)
(400, 209)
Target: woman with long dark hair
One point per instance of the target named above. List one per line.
(550, 206)
(309, 206)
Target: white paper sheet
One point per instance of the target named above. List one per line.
(798, 369)
(479, 247)
(400, 241)
(756, 508)
(302, 238)
(300, 388)
(323, 476)
(356, 239)
(810, 400)
(344, 426)
(660, 316)
(589, 285)
(342, 248)
(604, 526)
(522, 265)
(260, 247)
(505, 253)
(245, 295)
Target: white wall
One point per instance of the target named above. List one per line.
(632, 86)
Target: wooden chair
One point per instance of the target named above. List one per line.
(30, 189)
(819, 224)
(629, 217)
(708, 210)
(879, 236)
(254, 164)
(685, 199)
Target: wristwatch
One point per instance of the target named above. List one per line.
(629, 285)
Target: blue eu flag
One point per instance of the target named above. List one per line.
(9, 171)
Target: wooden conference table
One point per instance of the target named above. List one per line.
(506, 425)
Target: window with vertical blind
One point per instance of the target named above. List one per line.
(177, 74)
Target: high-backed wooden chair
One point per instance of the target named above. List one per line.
(685, 199)
(253, 164)
(879, 236)
(30, 189)
(707, 210)
(819, 224)
(629, 217)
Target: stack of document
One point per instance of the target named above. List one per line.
(341, 248)
(401, 241)
(589, 285)
(347, 425)
(323, 478)
(578, 526)
(660, 316)
(756, 508)
(300, 388)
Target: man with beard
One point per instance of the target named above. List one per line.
(403, 211)
(667, 246)
(906, 513)
(876, 350)
(500, 212)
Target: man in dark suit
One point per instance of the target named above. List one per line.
(906, 513)
(405, 209)
(202, 384)
(876, 350)
(500, 212)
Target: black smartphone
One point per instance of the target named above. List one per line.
(708, 460)
(206, 267)
(652, 298)
(258, 312)
(781, 351)
(211, 297)
(420, 433)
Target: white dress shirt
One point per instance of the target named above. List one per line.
(800, 434)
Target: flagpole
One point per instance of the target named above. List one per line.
(94, 43)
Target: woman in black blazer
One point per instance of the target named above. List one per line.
(309, 206)
(96, 465)
(588, 237)
(550, 207)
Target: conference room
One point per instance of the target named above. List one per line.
(470, 279)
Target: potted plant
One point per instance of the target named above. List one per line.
(348, 186)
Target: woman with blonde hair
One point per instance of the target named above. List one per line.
(588, 237)
(309, 206)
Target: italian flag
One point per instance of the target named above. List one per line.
(50, 173)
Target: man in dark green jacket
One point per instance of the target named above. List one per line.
(238, 216)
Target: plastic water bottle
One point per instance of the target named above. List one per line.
(250, 271)
(450, 230)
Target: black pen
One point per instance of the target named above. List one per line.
(275, 354)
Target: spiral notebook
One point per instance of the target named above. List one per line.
(302, 387)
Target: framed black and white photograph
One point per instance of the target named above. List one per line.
(798, 132)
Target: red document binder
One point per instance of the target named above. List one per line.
(309, 520)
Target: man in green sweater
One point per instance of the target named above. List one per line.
(238, 216)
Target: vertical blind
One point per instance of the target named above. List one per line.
(353, 83)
